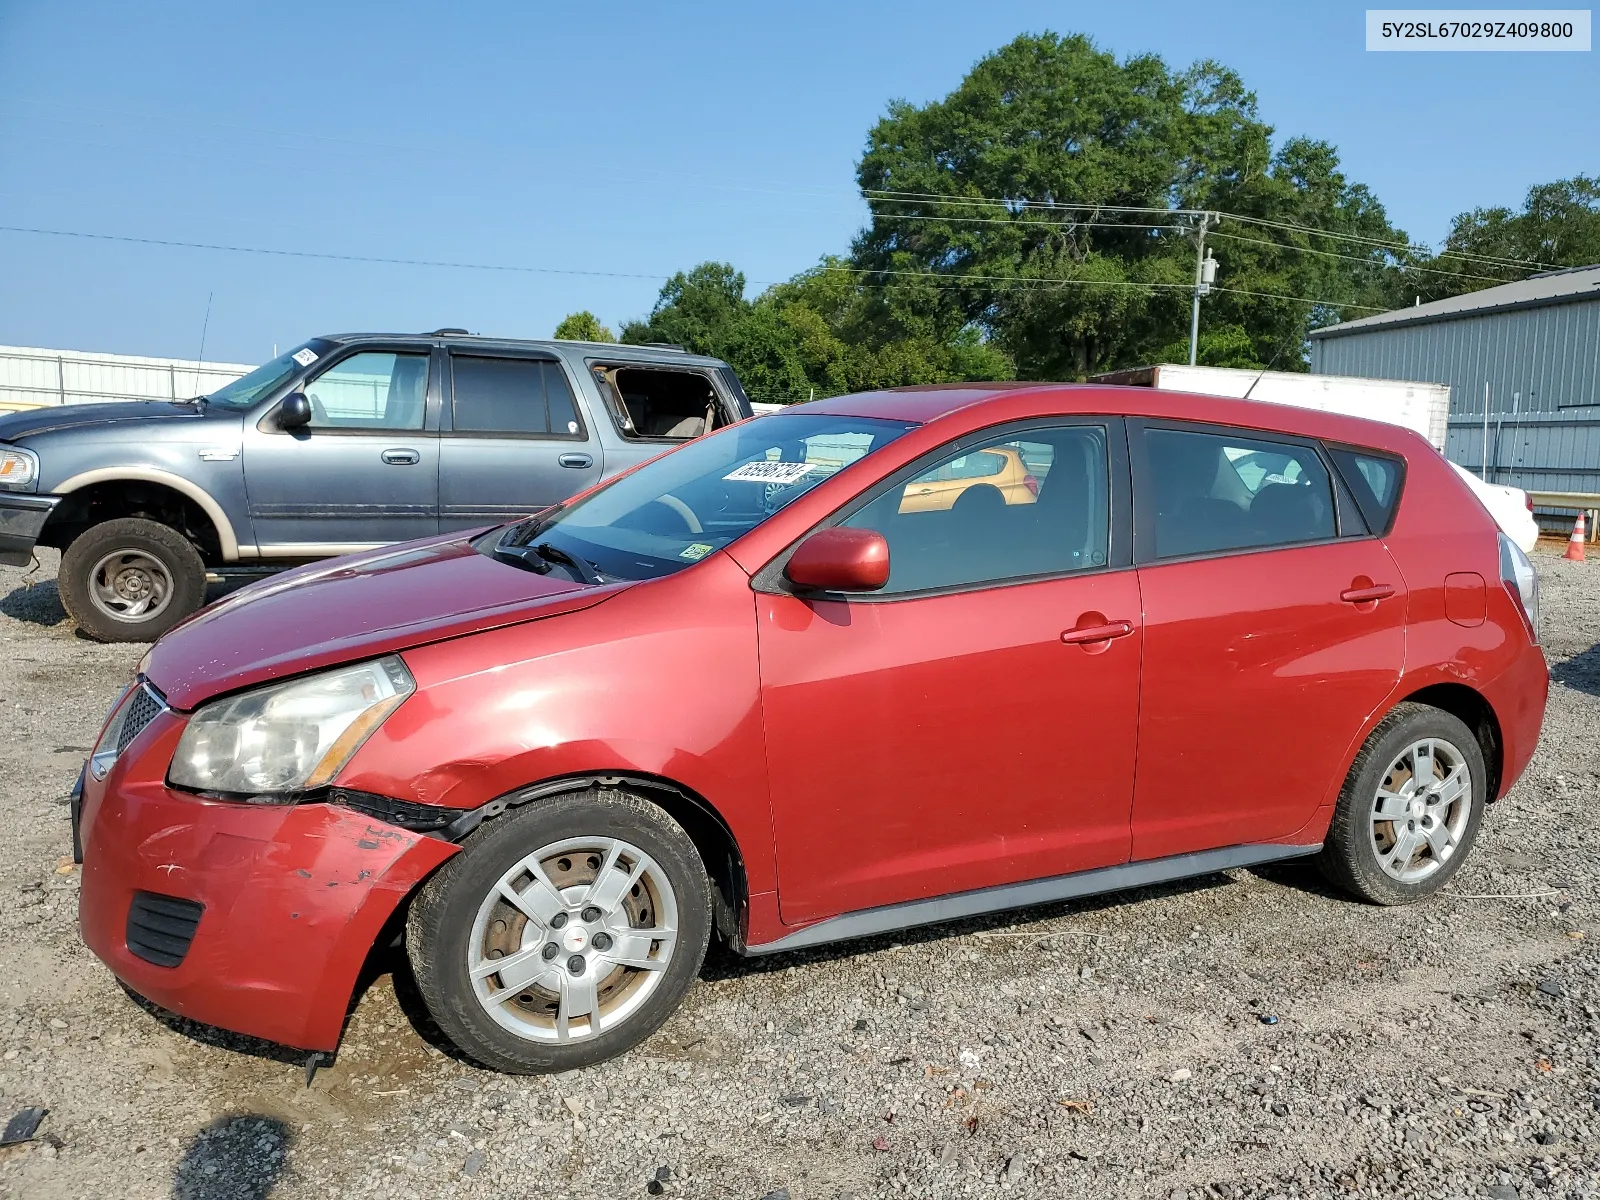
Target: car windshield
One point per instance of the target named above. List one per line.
(242, 393)
(671, 513)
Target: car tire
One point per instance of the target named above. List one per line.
(1392, 841)
(131, 580)
(612, 869)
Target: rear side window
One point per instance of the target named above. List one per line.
(512, 395)
(1374, 480)
(1219, 492)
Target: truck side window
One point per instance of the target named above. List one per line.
(373, 390)
(512, 396)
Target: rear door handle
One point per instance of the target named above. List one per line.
(1097, 633)
(1366, 595)
(576, 460)
(401, 458)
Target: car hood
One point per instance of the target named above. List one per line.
(352, 608)
(69, 416)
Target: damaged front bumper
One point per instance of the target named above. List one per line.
(252, 918)
(22, 518)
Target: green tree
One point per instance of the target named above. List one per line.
(1558, 226)
(583, 327)
(1034, 203)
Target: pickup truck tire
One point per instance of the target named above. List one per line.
(130, 580)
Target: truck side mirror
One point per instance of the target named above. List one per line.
(294, 412)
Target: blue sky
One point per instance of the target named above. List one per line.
(625, 138)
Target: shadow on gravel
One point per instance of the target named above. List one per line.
(210, 1035)
(233, 1158)
(36, 603)
(1581, 672)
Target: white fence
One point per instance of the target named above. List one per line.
(31, 377)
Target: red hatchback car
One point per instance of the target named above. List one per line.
(755, 688)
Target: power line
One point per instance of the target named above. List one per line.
(1518, 264)
(941, 280)
(1234, 237)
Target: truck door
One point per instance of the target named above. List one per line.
(515, 438)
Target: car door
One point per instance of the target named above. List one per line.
(973, 723)
(1274, 624)
(516, 440)
(364, 471)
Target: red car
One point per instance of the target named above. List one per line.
(753, 688)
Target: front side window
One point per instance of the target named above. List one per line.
(1218, 492)
(1018, 506)
(512, 395)
(676, 510)
(374, 390)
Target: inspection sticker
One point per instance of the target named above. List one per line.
(695, 551)
(305, 357)
(781, 473)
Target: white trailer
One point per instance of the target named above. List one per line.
(1424, 407)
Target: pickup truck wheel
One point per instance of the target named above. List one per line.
(131, 580)
(563, 934)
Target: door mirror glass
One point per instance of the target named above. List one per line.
(294, 412)
(840, 560)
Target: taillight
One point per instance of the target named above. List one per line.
(1528, 500)
(1032, 484)
(1521, 580)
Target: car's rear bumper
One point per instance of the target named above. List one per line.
(22, 518)
(1517, 696)
(292, 897)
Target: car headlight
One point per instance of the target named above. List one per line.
(275, 742)
(19, 469)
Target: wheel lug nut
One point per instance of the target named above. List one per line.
(602, 941)
(591, 914)
(575, 964)
(550, 951)
(557, 921)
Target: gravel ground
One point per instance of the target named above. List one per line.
(1244, 1035)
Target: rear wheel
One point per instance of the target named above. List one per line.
(564, 934)
(131, 580)
(1410, 808)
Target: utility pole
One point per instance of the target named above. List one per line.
(1205, 274)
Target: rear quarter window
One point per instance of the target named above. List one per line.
(1375, 480)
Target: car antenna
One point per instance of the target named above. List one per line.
(204, 325)
(1276, 355)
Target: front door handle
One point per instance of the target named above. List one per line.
(578, 461)
(1097, 633)
(1367, 595)
(401, 458)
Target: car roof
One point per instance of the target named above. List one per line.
(665, 355)
(972, 404)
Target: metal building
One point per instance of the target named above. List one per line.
(1532, 347)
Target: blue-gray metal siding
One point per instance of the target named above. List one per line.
(1542, 365)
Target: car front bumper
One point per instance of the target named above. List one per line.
(22, 518)
(291, 897)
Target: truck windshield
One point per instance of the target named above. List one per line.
(242, 393)
(676, 510)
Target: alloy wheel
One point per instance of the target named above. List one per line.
(573, 939)
(130, 585)
(1421, 810)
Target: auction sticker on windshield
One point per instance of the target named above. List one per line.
(695, 551)
(772, 472)
(305, 357)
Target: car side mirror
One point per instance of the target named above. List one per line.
(294, 412)
(840, 560)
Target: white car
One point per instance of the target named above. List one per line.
(1512, 508)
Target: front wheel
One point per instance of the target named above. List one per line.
(564, 934)
(1410, 808)
(131, 580)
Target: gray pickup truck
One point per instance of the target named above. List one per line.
(345, 443)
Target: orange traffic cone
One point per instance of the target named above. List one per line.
(1575, 542)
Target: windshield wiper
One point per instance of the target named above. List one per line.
(557, 555)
